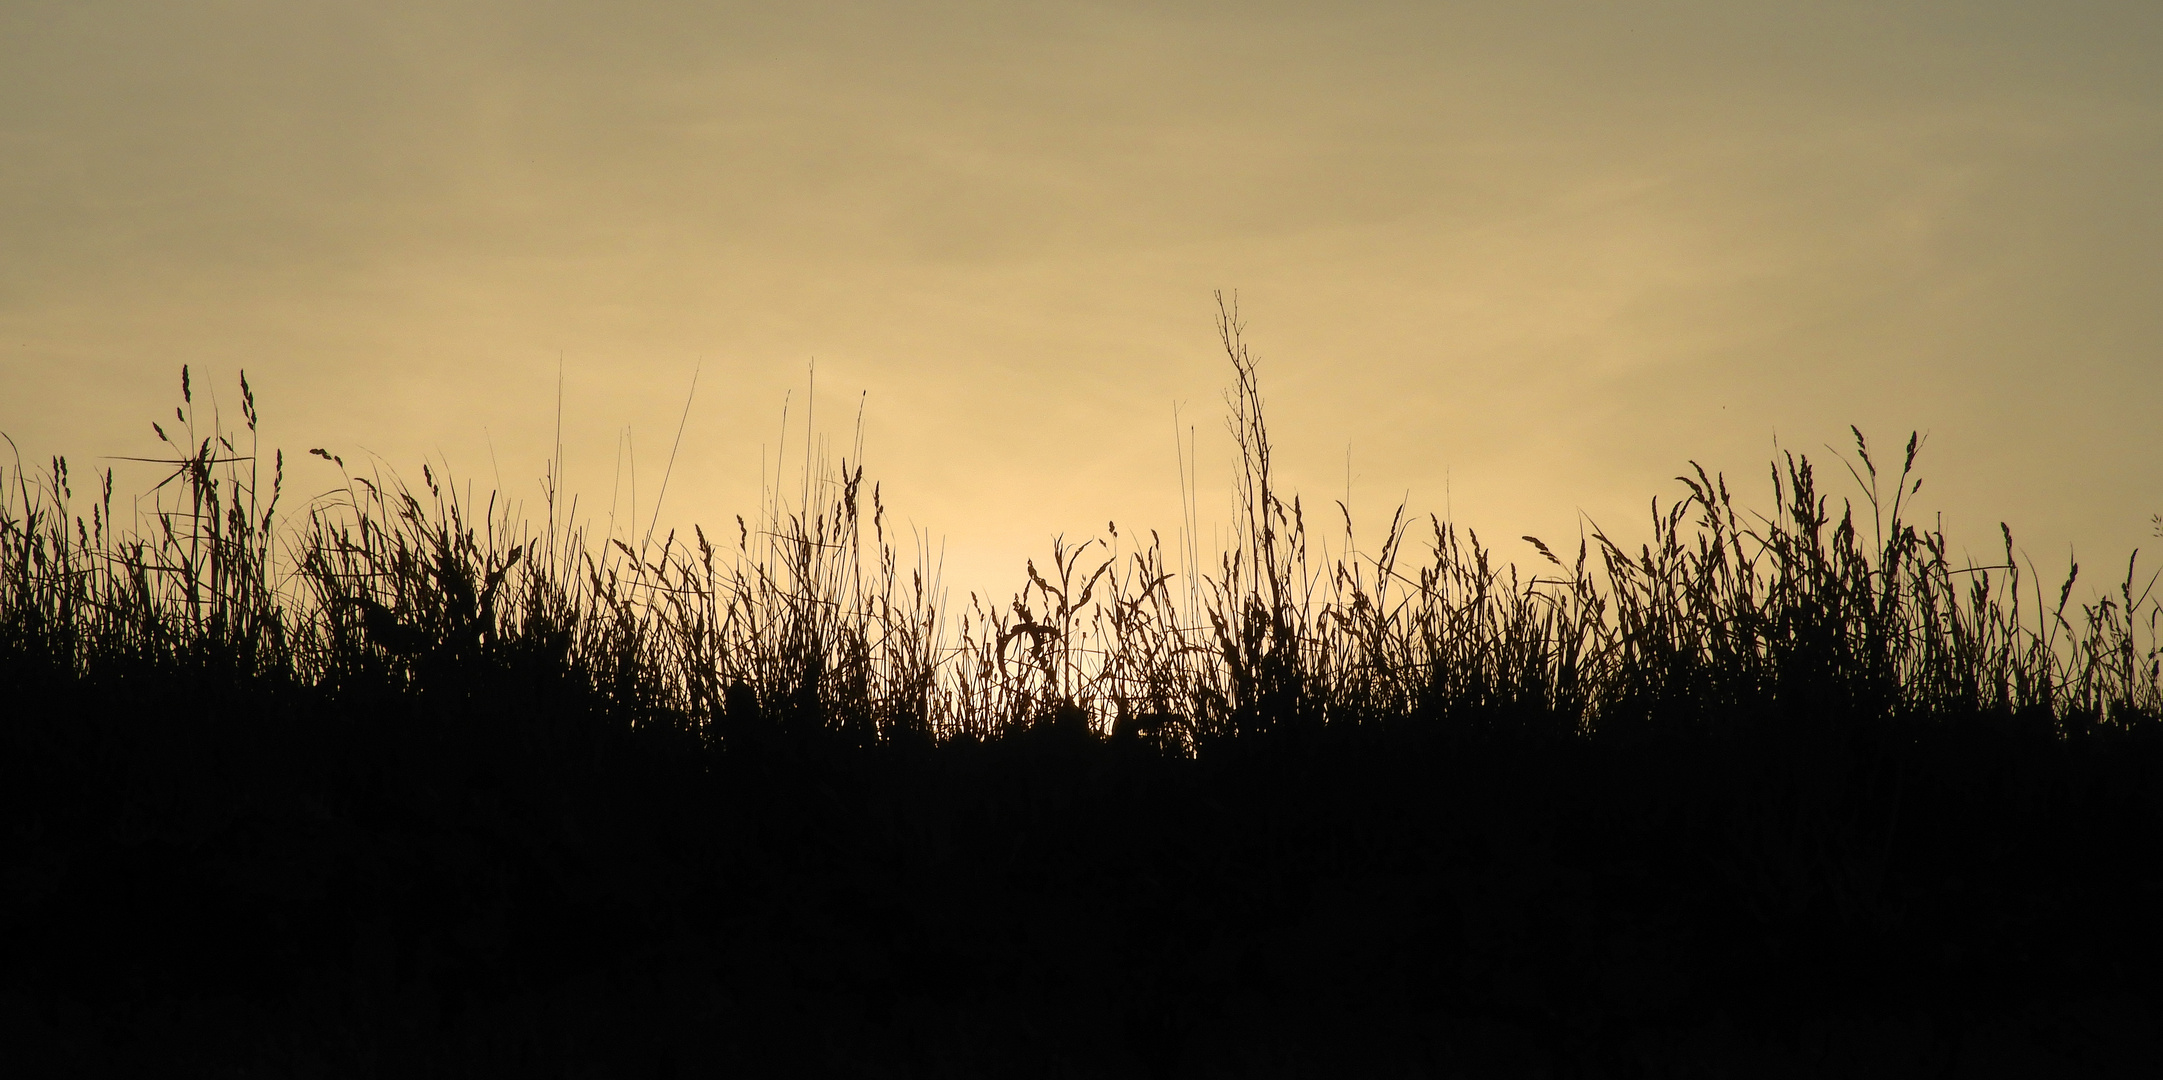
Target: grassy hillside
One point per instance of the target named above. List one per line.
(392, 784)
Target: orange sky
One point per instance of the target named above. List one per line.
(1522, 262)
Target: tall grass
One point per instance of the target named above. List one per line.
(806, 631)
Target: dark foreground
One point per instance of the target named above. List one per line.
(415, 790)
(269, 890)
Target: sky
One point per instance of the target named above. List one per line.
(1516, 265)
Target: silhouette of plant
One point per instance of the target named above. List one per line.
(424, 772)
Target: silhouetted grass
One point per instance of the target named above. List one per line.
(806, 629)
(406, 784)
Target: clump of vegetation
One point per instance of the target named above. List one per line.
(438, 787)
(806, 630)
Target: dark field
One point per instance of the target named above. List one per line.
(407, 788)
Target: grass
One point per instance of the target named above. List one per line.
(806, 629)
(404, 784)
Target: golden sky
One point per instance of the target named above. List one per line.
(1518, 263)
